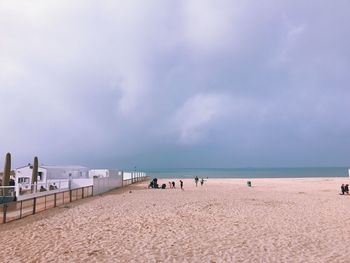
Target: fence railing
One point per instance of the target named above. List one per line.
(135, 180)
(7, 191)
(21, 189)
(19, 209)
(24, 188)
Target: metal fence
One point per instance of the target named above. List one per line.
(16, 210)
(24, 188)
(24, 191)
(135, 180)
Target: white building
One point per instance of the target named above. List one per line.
(23, 177)
(65, 172)
(60, 176)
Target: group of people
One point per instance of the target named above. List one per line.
(51, 187)
(154, 184)
(344, 189)
(196, 180)
(172, 184)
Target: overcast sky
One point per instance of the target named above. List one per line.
(183, 83)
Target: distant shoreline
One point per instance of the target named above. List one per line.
(309, 172)
(261, 178)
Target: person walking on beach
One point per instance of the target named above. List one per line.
(196, 179)
(173, 183)
(202, 181)
(169, 184)
(346, 189)
(342, 188)
(181, 184)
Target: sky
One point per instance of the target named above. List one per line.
(178, 83)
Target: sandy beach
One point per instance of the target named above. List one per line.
(276, 220)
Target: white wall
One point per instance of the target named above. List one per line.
(77, 183)
(61, 184)
(127, 176)
(100, 173)
(102, 185)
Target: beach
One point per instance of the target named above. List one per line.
(275, 220)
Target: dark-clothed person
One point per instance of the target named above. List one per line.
(342, 188)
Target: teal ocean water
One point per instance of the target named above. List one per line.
(250, 172)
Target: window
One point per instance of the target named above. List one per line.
(23, 180)
(40, 176)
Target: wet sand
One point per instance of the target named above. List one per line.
(276, 220)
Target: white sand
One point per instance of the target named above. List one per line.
(277, 220)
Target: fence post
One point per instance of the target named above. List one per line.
(20, 211)
(82, 195)
(70, 196)
(34, 205)
(55, 198)
(4, 215)
(122, 178)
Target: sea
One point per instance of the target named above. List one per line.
(299, 172)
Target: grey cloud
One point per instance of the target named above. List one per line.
(176, 83)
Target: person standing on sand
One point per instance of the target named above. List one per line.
(169, 184)
(173, 183)
(196, 179)
(181, 184)
(342, 188)
(202, 181)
